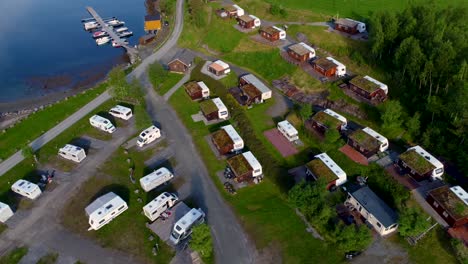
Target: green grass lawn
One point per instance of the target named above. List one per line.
(38, 123)
(127, 232)
(217, 39)
(163, 84)
(14, 256)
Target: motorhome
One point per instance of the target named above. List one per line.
(121, 112)
(148, 135)
(158, 205)
(102, 123)
(155, 179)
(73, 153)
(288, 131)
(5, 212)
(26, 189)
(183, 227)
(104, 209)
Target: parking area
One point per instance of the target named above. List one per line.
(285, 147)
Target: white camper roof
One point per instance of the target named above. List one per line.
(382, 86)
(103, 205)
(121, 109)
(332, 165)
(72, 149)
(222, 64)
(232, 133)
(203, 86)
(253, 162)
(307, 47)
(460, 193)
(279, 29)
(158, 201)
(254, 17)
(154, 175)
(435, 162)
(25, 186)
(339, 64)
(237, 7)
(335, 115)
(100, 119)
(3, 206)
(189, 218)
(290, 130)
(219, 104)
(148, 131)
(369, 131)
(250, 78)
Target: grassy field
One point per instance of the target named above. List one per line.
(344, 8)
(14, 256)
(38, 123)
(127, 232)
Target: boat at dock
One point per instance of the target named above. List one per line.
(116, 44)
(121, 29)
(91, 25)
(89, 19)
(125, 34)
(115, 23)
(99, 34)
(102, 41)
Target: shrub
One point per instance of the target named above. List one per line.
(201, 241)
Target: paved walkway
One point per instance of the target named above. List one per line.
(184, 79)
(55, 131)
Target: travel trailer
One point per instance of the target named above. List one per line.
(158, 205)
(155, 179)
(26, 189)
(148, 135)
(73, 153)
(5, 212)
(102, 123)
(420, 164)
(121, 112)
(288, 131)
(104, 209)
(183, 228)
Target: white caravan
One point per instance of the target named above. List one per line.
(104, 209)
(222, 109)
(5, 212)
(383, 140)
(73, 153)
(183, 228)
(158, 205)
(288, 131)
(148, 135)
(26, 189)
(155, 179)
(121, 112)
(438, 166)
(340, 67)
(238, 142)
(239, 10)
(102, 123)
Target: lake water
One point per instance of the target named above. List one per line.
(44, 47)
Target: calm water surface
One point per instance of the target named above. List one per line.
(44, 47)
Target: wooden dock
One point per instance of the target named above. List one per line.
(131, 51)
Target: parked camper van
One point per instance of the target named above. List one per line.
(104, 209)
(288, 131)
(183, 228)
(121, 112)
(159, 204)
(72, 153)
(102, 123)
(5, 212)
(155, 179)
(26, 189)
(148, 135)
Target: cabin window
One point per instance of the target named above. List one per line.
(445, 214)
(435, 204)
(360, 208)
(379, 225)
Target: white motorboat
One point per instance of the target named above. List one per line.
(121, 29)
(115, 23)
(115, 44)
(91, 25)
(102, 41)
(125, 34)
(99, 34)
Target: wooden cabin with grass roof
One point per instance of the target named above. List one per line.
(420, 165)
(326, 119)
(368, 88)
(245, 167)
(197, 90)
(367, 141)
(214, 109)
(227, 140)
(451, 203)
(323, 167)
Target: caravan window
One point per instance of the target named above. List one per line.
(439, 170)
(102, 221)
(256, 171)
(129, 113)
(121, 207)
(223, 113)
(109, 206)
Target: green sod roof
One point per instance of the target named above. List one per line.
(416, 162)
(450, 202)
(192, 87)
(364, 140)
(326, 120)
(221, 138)
(208, 107)
(364, 84)
(239, 165)
(324, 63)
(251, 91)
(320, 170)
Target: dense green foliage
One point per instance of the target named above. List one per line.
(278, 10)
(412, 222)
(425, 49)
(461, 250)
(197, 15)
(14, 256)
(201, 241)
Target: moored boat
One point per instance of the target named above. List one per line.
(121, 29)
(115, 44)
(102, 41)
(125, 34)
(91, 25)
(99, 34)
(115, 23)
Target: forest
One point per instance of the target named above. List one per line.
(424, 49)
